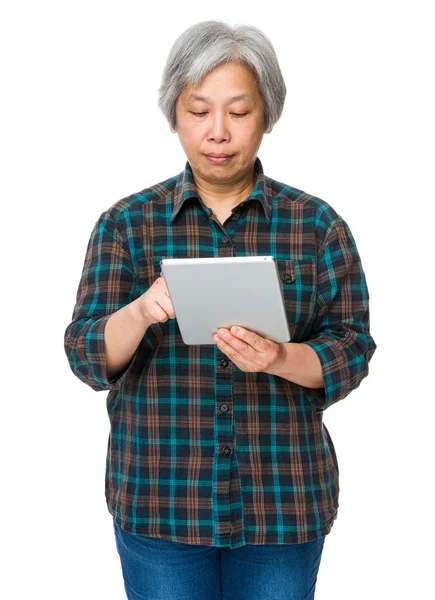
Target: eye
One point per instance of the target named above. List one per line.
(234, 114)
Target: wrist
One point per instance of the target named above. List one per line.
(280, 366)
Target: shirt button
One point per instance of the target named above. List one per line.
(224, 408)
(224, 362)
(224, 239)
(226, 450)
(287, 277)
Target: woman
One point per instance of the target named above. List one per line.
(221, 477)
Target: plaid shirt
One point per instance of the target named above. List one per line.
(199, 451)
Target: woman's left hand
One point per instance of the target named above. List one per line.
(249, 351)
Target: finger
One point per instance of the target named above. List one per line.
(164, 299)
(233, 341)
(166, 305)
(250, 338)
(161, 281)
(166, 302)
(243, 361)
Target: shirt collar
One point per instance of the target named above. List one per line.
(185, 188)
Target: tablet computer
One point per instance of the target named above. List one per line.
(208, 293)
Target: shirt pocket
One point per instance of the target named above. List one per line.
(298, 283)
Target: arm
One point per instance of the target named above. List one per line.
(104, 335)
(301, 365)
(123, 332)
(340, 337)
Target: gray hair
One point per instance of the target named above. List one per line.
(208, 44)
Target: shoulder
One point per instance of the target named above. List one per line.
(318, 211)
(123, 210)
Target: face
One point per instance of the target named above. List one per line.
(210, 120)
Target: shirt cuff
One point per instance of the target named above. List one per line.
(335, 372)
(95, 354)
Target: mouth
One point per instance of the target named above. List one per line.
(218, 158)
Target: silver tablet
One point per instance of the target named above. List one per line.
(208, 293)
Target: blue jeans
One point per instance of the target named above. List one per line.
(159, 569)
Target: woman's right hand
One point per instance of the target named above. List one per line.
(155, 304)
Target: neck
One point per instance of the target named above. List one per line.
(227, 194)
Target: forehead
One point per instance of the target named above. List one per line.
(229, 82)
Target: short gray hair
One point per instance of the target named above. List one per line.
(208, 44)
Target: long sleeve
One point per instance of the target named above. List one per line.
(106, 285)
(341, 331)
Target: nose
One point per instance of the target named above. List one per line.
(218, 128)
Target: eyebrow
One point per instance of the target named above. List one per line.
(206, 99)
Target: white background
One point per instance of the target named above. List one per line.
(80, 129)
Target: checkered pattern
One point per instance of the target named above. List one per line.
(199, 451)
